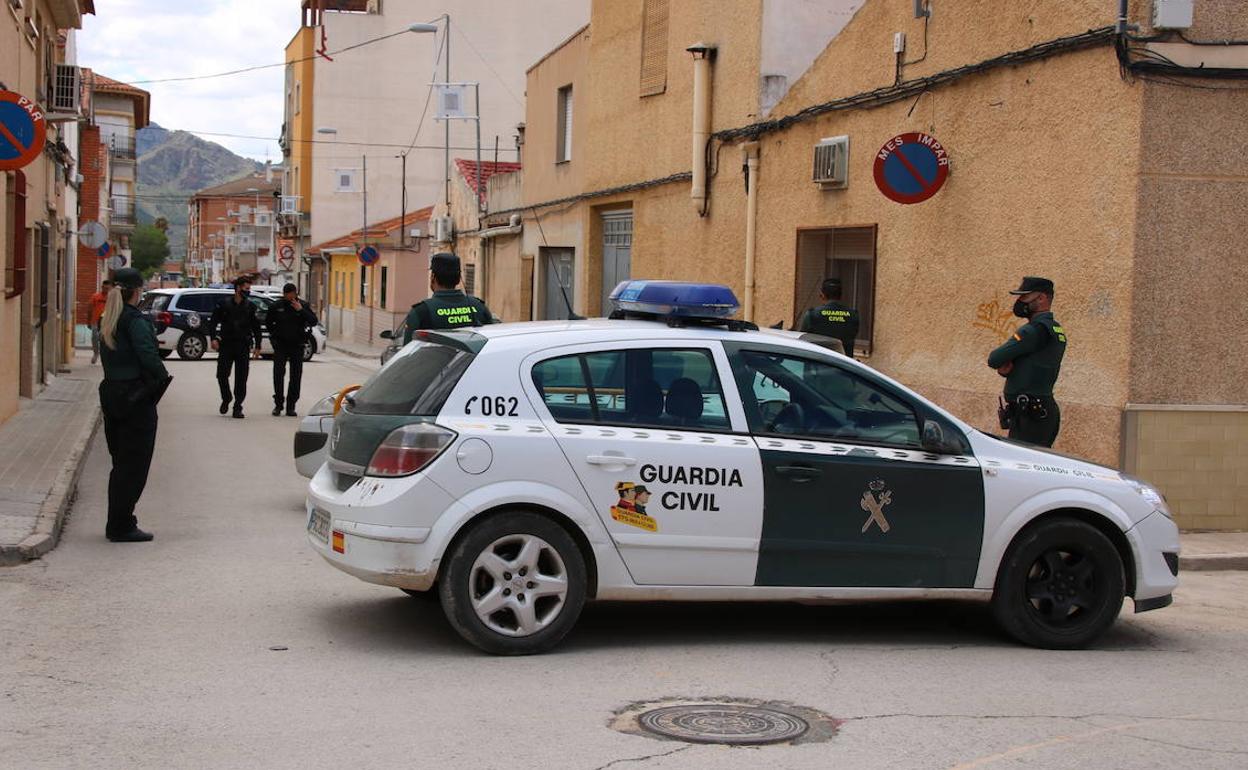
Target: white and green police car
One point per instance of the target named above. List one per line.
(519, 470)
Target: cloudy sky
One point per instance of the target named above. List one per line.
(136, 40)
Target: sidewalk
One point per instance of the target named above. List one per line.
(356, 350)
(1214, 551)
(41, 453)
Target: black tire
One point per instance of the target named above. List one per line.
(309, 349)
(1060, 585)
(164, 353)
(192, 346)
(460, 583)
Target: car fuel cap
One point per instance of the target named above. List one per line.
(474, 456)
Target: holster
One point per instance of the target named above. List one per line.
(1005, 413)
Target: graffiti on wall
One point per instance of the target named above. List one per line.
(996, 318)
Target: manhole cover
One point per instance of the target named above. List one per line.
(738, 725)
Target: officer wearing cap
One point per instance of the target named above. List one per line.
(134, 380)
(289, 320)
(234, 328)
(447, 306)
(832, 318)
(1030, 361)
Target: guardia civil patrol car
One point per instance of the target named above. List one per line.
(668, 453)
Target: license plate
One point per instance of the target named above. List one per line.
(318, 525)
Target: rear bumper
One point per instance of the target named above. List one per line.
(388, 556)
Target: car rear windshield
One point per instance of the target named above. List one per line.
(416, 381)
(154, 302)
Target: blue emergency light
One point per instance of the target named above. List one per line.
(675, 299)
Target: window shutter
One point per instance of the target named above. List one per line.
(566, 93)
(654, 47)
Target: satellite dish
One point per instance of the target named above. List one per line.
(92, 234)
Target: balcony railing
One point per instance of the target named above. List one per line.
(122, 147)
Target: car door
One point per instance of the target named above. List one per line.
(851, 496)
(648, 428)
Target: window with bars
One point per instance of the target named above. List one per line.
(847, 253)
(344, 180)
(563, 139)
(364, 285)
(654, 47)
(384, 285)
(470, 278)
(14, 241)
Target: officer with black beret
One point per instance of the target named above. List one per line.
(447, 306)
(134, 380)
(832, 318)
(1030, 361)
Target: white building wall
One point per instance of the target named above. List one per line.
(375, 95)
(795, 32)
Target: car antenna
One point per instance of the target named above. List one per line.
(572, 316)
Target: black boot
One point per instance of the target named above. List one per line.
(277, 411)
(135, 535)
(225, 406)
(238, 413)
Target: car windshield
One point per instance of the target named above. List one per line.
(417, 380)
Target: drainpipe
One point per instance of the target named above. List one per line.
(1122, 26)
(750, 151)
(702, 55)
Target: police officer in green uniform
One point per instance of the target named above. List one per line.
(447, 306)
(1030, 361)
(134, 380)
(832, 318)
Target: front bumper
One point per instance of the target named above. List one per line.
(1155, 541)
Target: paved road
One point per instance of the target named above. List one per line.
(159, 655)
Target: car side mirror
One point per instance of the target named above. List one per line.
(934, 438)
(386, 334)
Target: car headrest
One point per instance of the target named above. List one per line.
(684, 399)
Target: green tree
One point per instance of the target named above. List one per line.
(149, 248)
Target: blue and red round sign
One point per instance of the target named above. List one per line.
(23, 131)
(104, 250)
(910, 168)
(368, 255)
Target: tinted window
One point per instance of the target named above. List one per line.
(201, 302)
(154, 302)
(791, 396)
(658, 388)
(417, 380)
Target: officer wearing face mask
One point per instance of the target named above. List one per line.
(1030, 361)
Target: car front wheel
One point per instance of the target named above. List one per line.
(309, 349)
(191, 346)
(1060, 585)
(514, 585)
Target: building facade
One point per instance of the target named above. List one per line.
(1071, 154)
(39, 215)
(231, 231)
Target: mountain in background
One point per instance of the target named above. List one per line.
(173, 165)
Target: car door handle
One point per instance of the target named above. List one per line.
(799, 473)
(610, 460)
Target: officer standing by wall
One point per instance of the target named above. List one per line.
(1030, 361)
(447, 307)
(289, 321)
(832, 318)
(234, 326)
(134, 380)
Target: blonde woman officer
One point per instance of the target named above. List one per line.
(134, 380)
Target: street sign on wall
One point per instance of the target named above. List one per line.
(23, 131)
(910, 168)
(286, 255)
(369, 255)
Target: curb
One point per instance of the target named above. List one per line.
(56, 505)
(354, 353)
(1213, 562)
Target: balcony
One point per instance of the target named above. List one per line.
(122, 147)
(122, 221)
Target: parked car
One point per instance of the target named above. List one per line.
(395, 338)
(181, 317)
(521, 470)
(312, 435)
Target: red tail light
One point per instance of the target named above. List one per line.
(164, 318)
(409, 449)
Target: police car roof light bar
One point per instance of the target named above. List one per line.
(679, 303)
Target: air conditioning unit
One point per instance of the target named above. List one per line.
(290, 204)
(832, 163)
(415, 232)
(443, 229)
(66, 99)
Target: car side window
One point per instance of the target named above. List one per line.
(649, 387)
(791, 396)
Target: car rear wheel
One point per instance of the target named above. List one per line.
(514, 585)
(1060, 586)
(191, 346)
(309, 349)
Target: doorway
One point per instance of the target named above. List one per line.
(559, 283)
(617, 253)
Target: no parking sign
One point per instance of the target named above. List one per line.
(910, 168)
(23, 131)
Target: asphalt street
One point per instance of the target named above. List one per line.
(228, 643)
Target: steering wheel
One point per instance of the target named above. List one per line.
(791, 419)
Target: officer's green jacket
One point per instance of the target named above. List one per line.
(1036, 350)
(447, 309)
(136, 351)
(835, 320)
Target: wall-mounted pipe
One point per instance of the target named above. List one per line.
(702, 55)
(1122, 17)
(750, 151)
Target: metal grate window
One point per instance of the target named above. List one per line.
(470, 278)
(654, 47)
(67, 91)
